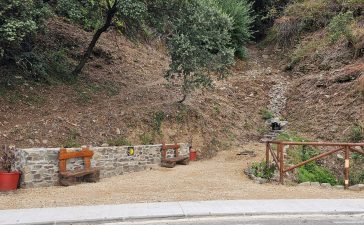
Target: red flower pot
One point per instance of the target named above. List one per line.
(193, 155)
(9, 181)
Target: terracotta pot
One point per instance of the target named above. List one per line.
(193, 155)
(9, 181)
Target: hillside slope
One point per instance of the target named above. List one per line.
(122, 94)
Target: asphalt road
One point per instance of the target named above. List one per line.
(257, 220)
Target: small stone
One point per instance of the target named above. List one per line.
(45, 141)
(37, 141)
(305, 184)
(338, 187)
(339, 156)
(31, 141)
(105, 145)
(326, 185)
(118, 131)
(315, 184)
(357, 187)
(265, 56)
(262, 181)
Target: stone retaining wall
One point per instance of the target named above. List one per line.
(39, 166)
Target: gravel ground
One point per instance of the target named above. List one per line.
(219, 178)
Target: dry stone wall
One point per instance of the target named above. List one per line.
(39, 166)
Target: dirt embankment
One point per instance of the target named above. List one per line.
(121, 91)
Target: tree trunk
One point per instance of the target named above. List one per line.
(110, 14)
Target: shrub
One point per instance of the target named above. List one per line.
(119, 141)
(356, 133)
(262, 170)
(241, 13)
(71, 141)
(157, 121)
(146, 139)
(89, 14)
(315, 173)
(45, 66)
(199, 40)
(20, 20)
(8, 158)
(266, 114)
(339, 26)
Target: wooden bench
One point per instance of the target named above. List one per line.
(87, 174)
(171, 162)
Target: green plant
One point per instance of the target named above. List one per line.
(45, 66)
(310, 172)
(315, 173)
(266, 114)
(119, 141)
(9, 156)
(241, 13)
(146, 139)
(262, 170)
(182, 113)
(340, 26)
(158, 118)
(20, 20)
(356, 133)
(200, 43)
(86, 13)
(71, 141)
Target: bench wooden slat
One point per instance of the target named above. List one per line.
(63, 154)
(175, 159)
(79, 172)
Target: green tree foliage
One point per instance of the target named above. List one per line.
(198, 40)
(241, 13)
(19, 22)
(88, 13)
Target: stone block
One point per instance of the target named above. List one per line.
(326, 185)
(339, 187)
(315, 184)
(357, 187)
(305, 184)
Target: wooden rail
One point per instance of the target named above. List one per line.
(278, 157)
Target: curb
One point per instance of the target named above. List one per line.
(179, 210)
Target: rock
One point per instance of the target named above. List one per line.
(265, 56)
(31, 141)
(305, 184)
(338, 187)
(339, 156)
(326, 185)
(315, 184)
(357, 187)
(118, 131)
(105, 145)
(45, 141)
(262, 180)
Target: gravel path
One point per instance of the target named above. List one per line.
(219, 178)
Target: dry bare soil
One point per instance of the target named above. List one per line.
(220, 178)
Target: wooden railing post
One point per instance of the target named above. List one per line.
(267, 147)
(347, 167)
(281, 163)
